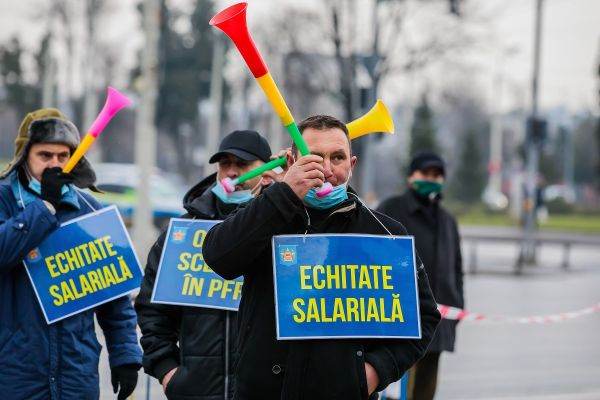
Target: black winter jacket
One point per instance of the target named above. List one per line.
(200, 342)
(306, 369)
(438, 243)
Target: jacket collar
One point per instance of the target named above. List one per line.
(343, 208)
(347, 205)
(200, 201)
(25, 197)
(413, 204)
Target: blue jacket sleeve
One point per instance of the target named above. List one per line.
(24, 231)
(118, 321)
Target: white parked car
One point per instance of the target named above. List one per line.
(119, 183)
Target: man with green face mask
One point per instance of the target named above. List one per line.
(438, 243)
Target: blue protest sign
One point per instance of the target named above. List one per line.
(86, 262)
(345, 286)
(183, 278)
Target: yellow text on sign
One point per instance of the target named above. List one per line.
(217, 287)
(351, 276)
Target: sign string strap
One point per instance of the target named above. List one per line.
(421, 265)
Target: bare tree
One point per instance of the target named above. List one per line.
(316, 38)
(93, 8)
(65, 16)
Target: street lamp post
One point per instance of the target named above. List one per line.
(216, 100)
(145, 129)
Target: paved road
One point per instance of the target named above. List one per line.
(514, 362)
(512, 231)
(554, 361)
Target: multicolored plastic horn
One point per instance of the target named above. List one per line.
(232, 21)
(376, 120)
(115, 101)
(229, 184)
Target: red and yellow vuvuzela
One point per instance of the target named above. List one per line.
(232, 21)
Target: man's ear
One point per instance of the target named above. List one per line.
(353, 161)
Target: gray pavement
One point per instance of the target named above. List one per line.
(552, 361)
(558, 361)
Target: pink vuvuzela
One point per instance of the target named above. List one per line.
(115, 101)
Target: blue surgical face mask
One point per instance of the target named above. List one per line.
(36, 186)
(337, 195)
(237, 197)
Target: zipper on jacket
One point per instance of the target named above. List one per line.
(307, 218)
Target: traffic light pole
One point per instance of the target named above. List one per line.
(527, 253)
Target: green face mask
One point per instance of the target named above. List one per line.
(427, 188)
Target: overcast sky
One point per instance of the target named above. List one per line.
(570, 53)
(570, 49)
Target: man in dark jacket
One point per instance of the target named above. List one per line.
(268, 369)
(190, 349)
(438, 242)
(57, 361)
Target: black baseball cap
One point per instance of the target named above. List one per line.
(424, 160)
(246, 145)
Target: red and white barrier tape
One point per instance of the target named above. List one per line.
(454, 313)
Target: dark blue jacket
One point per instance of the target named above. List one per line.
(57, 361)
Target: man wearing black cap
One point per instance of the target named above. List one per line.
(188, 348)
(438, 243)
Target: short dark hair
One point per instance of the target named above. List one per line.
(321, 123)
